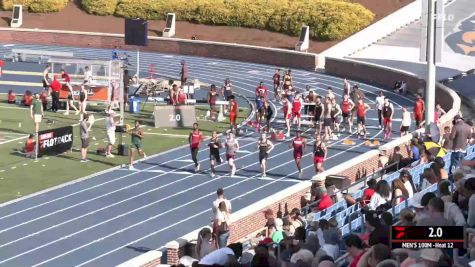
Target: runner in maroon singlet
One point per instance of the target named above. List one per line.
(194, 140)
(299, 144)
(347, 106)
(276, 79)
(319, 154)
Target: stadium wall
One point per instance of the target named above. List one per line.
(247, 53)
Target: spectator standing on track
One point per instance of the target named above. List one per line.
(346, 87)
(214, 145)
(327, 119)
(84, 129)
(287, 114)
(319, 108)
(55, 88)
(405, 122)
(220, 198)
(70, 101)
(347, 106)
(296, 110)
(194, 139)
(310, 100)
(355, 95)
(233, 112)
(136, 143)
(126, 80)
(387, 112)
(299, 144)
(361, 109)
(460, 135)
(276, 79)
(212, 97)
(419, 108)
(110, 129)
(36, 112)
(265, 146)
(232, 146)
(46, 78)
(269, 113)
(227, 92)
(319, 154)
(379, 107)
(184, 72)
(336, 114)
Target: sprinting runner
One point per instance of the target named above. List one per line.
(361, 109)
(406, 121)
(346, 87)
(327, 119)
(194, 139)
(226, 92)
(214, 145)
(287, 114)
(379, 106)
(346, 107)
(299, 144)
(70, 101)
(262, 90)
(232, 146)
(269, 112)
(318, 114)
(336, 116)
(296, 108)
(265, 146)
(233, 111)
(387, 113)
(319, 154)
(136, 144)
(212, 97)
(287, 80)
(82, 102)
(419, 109)
(276, 79)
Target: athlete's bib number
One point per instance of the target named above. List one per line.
(174, 117)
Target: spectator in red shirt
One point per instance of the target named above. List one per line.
(354, 247)
(325, 200)
(2, 64)
(55, 87)
(419, 111)
(11, 99)
(367, 194)
(29, 149)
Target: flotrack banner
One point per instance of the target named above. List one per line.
(55, 141)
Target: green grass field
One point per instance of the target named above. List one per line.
(20, 176)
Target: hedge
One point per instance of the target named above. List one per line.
(99, 7)
(36, 6)
(328, 19)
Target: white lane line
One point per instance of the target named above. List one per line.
(193, 216)
(126, 213)
(103, 195)
(104, 183)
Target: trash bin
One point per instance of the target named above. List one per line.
(134, 105)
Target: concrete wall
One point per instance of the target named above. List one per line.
(247, 53)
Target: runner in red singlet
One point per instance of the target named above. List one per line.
(361, 109)
(319, 153)
(287, 114)
(419, 109)
(233, 111)
(261, 90)
(276, 79)
(296, 108)
(347, 106)
(194, 140)
(299, 144)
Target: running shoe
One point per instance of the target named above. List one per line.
(77, 112)
(300, 173)
(110, 156)
(212, 175)
(84, 160)
(197, 169)
(131, 168)
(66, 113)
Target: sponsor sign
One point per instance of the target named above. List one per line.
(55, 141)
